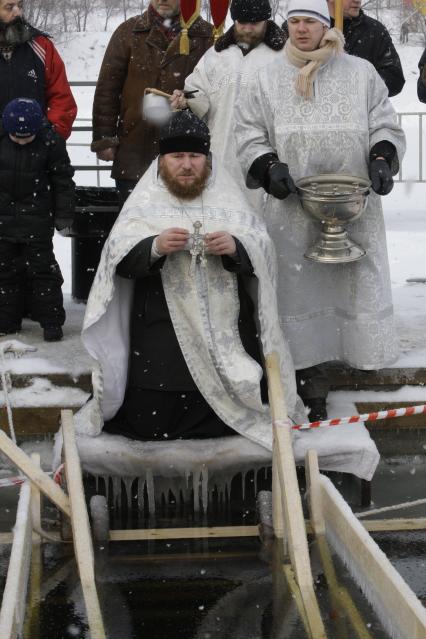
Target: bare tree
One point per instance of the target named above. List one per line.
(143, 4)
(80, 10)
(205, 10)
(109, 7)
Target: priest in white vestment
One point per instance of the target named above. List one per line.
(183, 306)
(251, 42)
(318, 110)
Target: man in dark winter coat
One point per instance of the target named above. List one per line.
(421, 82)
(30, 65)
(36, 195)
(176, 269)
(369, 39)
(143, 52)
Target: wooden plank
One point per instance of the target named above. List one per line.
(32, 620)
(81, 528)
(32, 625)
(82, 382)
(295, 591)
(375, 525)
(314, 492)
(378, 525)
(7, 538)
(285, 592)
(277, 502)
(294, 524)
(398, 608)
(45, 484)
(40, 420)
(15, 591)
(184, 533)
(339, 596)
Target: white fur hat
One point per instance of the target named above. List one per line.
(317, 9)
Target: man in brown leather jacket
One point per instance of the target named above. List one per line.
(143, 52)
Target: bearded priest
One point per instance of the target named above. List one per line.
(183, 307)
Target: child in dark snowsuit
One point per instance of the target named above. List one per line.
(36, 195)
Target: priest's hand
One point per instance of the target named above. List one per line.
(171, 240)
(279, 182)
(220, 243)
(380, 176)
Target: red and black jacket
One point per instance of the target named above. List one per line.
(36, 70)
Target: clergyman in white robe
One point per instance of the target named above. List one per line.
(328, 312)
(217, 79)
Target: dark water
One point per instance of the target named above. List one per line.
(212, 589)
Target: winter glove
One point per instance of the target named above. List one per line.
(279, 182)
(381, 177)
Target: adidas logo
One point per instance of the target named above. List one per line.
(32, 74)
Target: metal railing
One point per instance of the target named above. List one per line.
(411, 171)
(414, 135)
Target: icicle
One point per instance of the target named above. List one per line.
(141, 486)
(255, 482)
(196, 480)
(116, 492)
(243, 485)
(204, 489)
(106, 482)
(220, 490)
(128, 481)
(150, 491)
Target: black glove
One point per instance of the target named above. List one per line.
(62, 223)
(381, 177)
(279, 182)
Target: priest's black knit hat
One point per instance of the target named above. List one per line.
(250, 10)
(186, 133)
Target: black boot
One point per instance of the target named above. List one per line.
(52, 333)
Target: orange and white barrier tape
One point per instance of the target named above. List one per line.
(366, 417)
(11, 481)
(5, 482)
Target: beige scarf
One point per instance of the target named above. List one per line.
(310, 61)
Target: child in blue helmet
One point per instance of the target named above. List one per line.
(36, 195)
